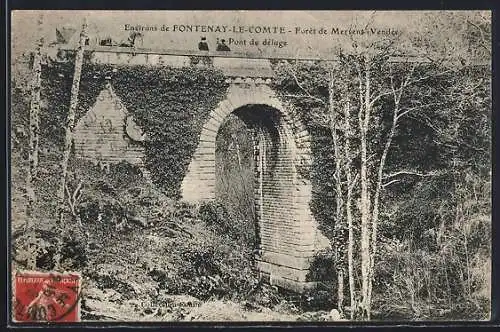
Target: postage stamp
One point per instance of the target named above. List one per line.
(51, 297)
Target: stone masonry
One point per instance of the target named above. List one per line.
(101, 134)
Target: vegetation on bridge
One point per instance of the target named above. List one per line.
(169, 104)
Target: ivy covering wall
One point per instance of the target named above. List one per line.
(169, 104)
(56, 95)
(321, 173)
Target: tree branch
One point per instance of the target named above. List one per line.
(390, 182)
(411, 109)
(73, 199)
(308, 94)
(415, 173)
(354, 181)
(77, 193)
(307, 97)
(70, 203)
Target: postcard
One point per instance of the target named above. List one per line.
(255, 166)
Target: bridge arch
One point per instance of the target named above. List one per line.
(288, 233)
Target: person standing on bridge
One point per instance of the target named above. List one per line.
(203, 45)
(222, 46)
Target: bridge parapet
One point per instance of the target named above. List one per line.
(231, 64)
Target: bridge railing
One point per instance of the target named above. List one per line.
(233, 63)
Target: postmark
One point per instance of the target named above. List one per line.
(46, 297)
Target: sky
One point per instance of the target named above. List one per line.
(306, 43)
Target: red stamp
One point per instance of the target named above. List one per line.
(47, 297)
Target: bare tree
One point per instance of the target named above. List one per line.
(34, 132)
(337, 117)
(339, 193)
(348, 207)
(70, 121)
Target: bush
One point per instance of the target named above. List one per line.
(35, 248)
(447, 283)
(216, 216)
(215, 265)
(323, 267)
(43, 249)
(204, 268)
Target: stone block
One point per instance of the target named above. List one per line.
(296, 262)
(283, 271)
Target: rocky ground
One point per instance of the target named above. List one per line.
(105, 305)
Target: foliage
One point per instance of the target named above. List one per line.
(313, 77)
(56, 93)
(446, 282)
(322, 267)
(184, 255)
(170, 245)
(42, 246)
(235, 175)
(322, 169)
(170, 104)
(207, 269)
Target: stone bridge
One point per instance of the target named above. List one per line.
(288, 233)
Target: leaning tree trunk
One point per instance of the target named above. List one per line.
(34, 127)
(378, 187)
(34, 131)
(70, 121)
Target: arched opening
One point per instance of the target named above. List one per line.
(254, 175)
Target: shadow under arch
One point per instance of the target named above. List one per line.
(253, 166)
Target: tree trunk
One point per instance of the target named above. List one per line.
(70, 121)
(340, 290)
(34, 130)
(339, 194)
(378, 189)
(337, 153)
(364, 118)
(348, 207)
(35, 104)
(34, 124)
